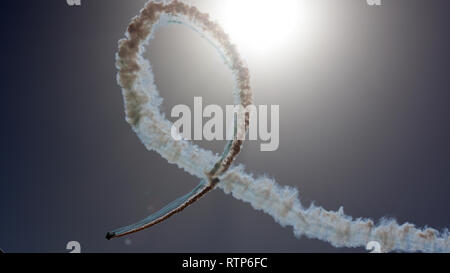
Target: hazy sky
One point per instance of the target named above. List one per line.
(364, 123)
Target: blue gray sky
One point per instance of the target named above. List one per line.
(364, 124)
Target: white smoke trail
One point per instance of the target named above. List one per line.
(283, 204)
(142, 99)
(142, 103)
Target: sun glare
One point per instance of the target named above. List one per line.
(259, 25)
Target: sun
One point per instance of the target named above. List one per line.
(259, 25)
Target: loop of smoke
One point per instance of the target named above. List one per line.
(135, 76)
(142, 103)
